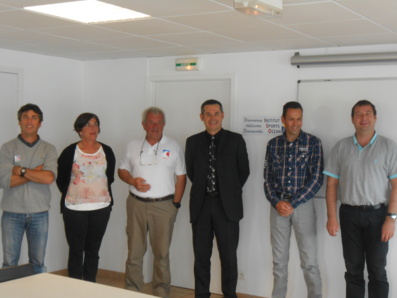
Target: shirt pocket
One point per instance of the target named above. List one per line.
(277, 161)
(302, 159)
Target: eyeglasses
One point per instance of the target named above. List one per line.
(155, 155)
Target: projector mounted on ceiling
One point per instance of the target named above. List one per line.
(259, 7)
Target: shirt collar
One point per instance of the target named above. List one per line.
(370, 142)
(217, 135)
(27, 143)
(300, 139)
(164, 139)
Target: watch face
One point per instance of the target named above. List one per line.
(392, 215)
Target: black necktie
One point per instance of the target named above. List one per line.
(211, 178)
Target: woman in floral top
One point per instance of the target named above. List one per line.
(85, 173)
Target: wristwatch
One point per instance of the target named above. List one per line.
(177, 205)
(392, 215)
(23, 171)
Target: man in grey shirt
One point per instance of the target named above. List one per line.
(363, 168)
(27, 168)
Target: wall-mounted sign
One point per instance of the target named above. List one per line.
(263, 126)
(187, 64)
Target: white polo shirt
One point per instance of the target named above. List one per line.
(159, 170)
(363, 173)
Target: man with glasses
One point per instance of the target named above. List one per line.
(154, 168)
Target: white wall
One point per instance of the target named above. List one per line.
(264, 82)
(116, 91)
(56, 86)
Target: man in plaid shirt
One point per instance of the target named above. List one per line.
(293, 175)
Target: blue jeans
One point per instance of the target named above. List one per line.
(13, 226)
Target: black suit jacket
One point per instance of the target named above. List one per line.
(232, 167)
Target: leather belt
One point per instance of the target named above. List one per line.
(152, 200)
(364, 207)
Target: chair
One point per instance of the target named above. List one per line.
(10, 273)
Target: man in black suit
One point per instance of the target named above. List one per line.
(217, 165)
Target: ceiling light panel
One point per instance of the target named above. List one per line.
(88, 11)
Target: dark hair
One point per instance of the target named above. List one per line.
(211, 102)
(28, 107)
(153, 110)
(82, 121)
(364, 102)
(291, 105)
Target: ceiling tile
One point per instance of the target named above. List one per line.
(366, 39)
(27, 20)
(84, 32)
(194, 27)
(371, 9)
(310, 13)
(194, 38)
(147, 27)
(338, 28)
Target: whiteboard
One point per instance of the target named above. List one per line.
(327, 108)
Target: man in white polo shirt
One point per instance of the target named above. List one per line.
(154, 167)
(364, 170)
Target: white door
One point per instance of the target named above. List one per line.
(9, 82)
(181, 98)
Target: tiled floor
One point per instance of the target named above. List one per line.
(116, 279)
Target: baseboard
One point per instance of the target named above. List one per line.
(101, 273)
(111, 274)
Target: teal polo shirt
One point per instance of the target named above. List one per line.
(363, 172)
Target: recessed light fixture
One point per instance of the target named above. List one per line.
(259, 7)
(88, 11)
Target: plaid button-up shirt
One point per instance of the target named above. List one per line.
(293, 169)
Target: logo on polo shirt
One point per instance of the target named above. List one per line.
(17, 158)
(165, 154)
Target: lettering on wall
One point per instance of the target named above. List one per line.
(263, 126)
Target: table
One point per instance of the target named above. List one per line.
(46, 285)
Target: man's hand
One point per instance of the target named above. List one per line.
(388, 229)
(39, 168)
(16, 170)
(332, 226)
(284, 208)
(141, 185)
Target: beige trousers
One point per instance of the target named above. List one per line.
(158, 219)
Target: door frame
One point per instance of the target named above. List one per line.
(153, 80)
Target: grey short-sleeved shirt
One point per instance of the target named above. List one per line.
(363, 173)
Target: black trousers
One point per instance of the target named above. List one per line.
(84, 232)
(213, 222)
(361, 241)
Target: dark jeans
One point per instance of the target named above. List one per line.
(213, 221)
(84, 232)
(361, 241)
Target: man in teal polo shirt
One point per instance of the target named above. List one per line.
(364, 170)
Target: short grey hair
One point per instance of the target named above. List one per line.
(153, 110)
